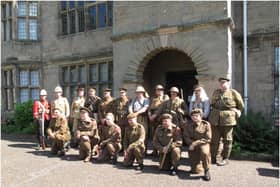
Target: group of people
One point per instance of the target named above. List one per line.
(106, 126)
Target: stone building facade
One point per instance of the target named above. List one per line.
(124, 44)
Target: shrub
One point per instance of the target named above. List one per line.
(256, 134)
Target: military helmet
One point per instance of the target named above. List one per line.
(43, 92)
(58, 89)
(159, 87)
(174, 89)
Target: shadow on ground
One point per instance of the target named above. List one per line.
(268, 172)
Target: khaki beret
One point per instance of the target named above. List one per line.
(132, 115)
(84, 109)
(196, 111)
(227, 78)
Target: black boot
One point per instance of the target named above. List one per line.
(140, 167)
(207, 176)
(114, 159)
(174, 171)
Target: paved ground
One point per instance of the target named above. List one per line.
(22, 165)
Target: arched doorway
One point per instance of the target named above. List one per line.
(170, 67)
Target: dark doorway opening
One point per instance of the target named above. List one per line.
(184, 80)
(170, 67)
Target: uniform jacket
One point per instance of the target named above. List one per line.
(75, 107)
(92, 103)
(110, 134)
(105, 106)
(63, 104)
(88, 128)
(222, 105)
(59, 126)
(134, 136)
(37, 112)
(120, 110)
(163, 136)
(200, 133)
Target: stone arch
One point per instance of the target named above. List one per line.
(144, 53)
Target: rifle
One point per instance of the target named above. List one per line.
(42, 120)
(164, 155)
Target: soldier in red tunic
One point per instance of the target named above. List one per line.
(41, 114)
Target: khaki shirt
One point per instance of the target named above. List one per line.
(110, 133)
(163, 136)
(63, 104)
(77, 103)
(92, 103)
(222, 107)
(105, 106)
(88, 128)
(134, 135)
(59, 126)
(120, 109)
(197, 132)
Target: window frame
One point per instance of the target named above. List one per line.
(28, 19)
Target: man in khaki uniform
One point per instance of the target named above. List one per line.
(110, 140)
(157, 100)
(120, 110)
(168, 140)
(77, 103)
(60, 102)
(226, 107)
(106, 105)
(134, 139)
(92, 102)
(87, 133)
(58, 132)
(174, 106)
(197, 135)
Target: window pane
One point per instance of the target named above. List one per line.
(23, 95)
(4, 11)
(65, 75)
(73, 74)
(93, 73)
(103, 72)
(22, 8)
(23, 78)
(71, 4)
(10, 30)
(32, 9)
(92, 17)
(102, 15)
(34, 78)
(81, 4)
(64, 23)
(33, 29)
(10, 8)
(110, 13)
(63, 5)
(72, 21)
(34, 94)
(81, 17)
(4, 30)
(22, 29)
(82, 74)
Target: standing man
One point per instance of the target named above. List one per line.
(106, 104)
(77, 103)
(174, 106)
(41, 111)
(154, 121)
(120, 110)
(92, 102)
(87, 134)
(58, 132)
(226, 107)
(168, 141)
(134, 146)
(139, 106)
(110, 140)
(197, 135)
(60, 102)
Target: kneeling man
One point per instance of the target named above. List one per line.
(87, 134)
(168, 141)
(197, 135)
